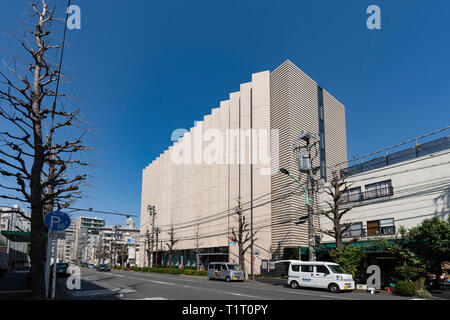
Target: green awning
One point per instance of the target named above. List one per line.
(19, 236)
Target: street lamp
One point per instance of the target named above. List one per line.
(307, 202)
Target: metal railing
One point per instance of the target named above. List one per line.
(369, 232)
(367, 195)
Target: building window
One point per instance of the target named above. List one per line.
(387, 226)
(351, 195)
(381, 227)
(379, 189)
(355, 230)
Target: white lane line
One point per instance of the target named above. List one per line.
(245, 295)
(154, 298)
(155, 281)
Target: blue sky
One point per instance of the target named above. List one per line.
(141, 69)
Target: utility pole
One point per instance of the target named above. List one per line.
(157, 231)
(305, 165)
(147, 249)
(152, 213)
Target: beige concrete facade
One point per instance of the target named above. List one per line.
(197, 191)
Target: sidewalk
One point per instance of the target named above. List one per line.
(15, 285)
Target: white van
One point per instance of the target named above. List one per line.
(319, 274)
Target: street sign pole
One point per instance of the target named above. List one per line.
(57, 222)
(55, 248)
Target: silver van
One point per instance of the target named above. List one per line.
(225, 271)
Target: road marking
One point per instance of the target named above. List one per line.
(113, 291)
(316, 295)
(160, 282)
(245, 295)
(154, 298)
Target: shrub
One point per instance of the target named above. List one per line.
(349, 258)
(144, 269)
(405, 288)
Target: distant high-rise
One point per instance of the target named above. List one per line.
(86, 232)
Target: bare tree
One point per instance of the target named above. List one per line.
(101, 251)
(337, 190)
(242, 236)
(36, 162)
(171, 245)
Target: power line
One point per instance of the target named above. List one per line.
(103, 212)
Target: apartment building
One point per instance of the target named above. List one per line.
(234, 154)
(12, 221)
(123, 240)
(400, 188)
(86, 237)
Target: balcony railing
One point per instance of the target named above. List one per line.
(367, 195)
(369, 232)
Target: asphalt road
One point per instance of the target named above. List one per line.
(154, 286)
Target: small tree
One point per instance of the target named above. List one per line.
(171, 245)
(242, 235)
(101, 251)
(337, 189)
(349, 258)
(422, 249)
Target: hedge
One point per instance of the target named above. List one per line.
(192, 271)
(405, 288)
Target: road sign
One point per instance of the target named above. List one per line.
(57, 220)
(57, 235)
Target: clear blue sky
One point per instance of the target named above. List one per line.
(144, 68)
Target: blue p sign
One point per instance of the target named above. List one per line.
(57, 220)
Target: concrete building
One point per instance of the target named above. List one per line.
(86, 236)
(236, 153)
(121, 238)
(12, 221)
(398, 189)
(66, 247)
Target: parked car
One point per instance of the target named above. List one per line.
(84, 264)
(319, 274)
(225, 271)
(91, 265)
(103, 267)
(62, 269)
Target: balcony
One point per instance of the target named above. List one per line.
(370, 232)
(368, 195)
